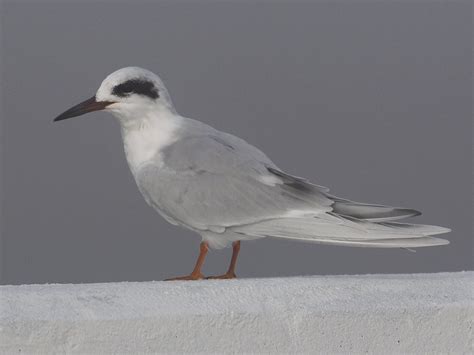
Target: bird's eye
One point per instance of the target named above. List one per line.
(136, 86)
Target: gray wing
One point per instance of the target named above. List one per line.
(216, 180)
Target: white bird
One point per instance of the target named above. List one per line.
(225, 189)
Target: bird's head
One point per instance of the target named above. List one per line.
(128, 93)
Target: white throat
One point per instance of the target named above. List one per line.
(145, 137)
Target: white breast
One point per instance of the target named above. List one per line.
(144, 139)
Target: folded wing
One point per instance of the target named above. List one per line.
(217, 182)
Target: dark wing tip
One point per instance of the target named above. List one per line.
(411, 212)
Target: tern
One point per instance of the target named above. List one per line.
(227, 190)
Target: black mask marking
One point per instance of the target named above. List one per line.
(136, 86)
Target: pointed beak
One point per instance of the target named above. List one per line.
(89, 105)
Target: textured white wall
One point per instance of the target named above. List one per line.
(372, 313)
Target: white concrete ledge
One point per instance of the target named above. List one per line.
(426, 313)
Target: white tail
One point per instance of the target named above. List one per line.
(340, 230)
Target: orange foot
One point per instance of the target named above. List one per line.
(190, 277)
(227, 275)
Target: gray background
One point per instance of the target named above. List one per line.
(372, 99)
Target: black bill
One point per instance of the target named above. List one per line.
(89, 105)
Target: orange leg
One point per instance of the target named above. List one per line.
(196, 273)
(230, 274)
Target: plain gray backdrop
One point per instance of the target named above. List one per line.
(372, 99)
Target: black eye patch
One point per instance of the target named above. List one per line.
(136, 86)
